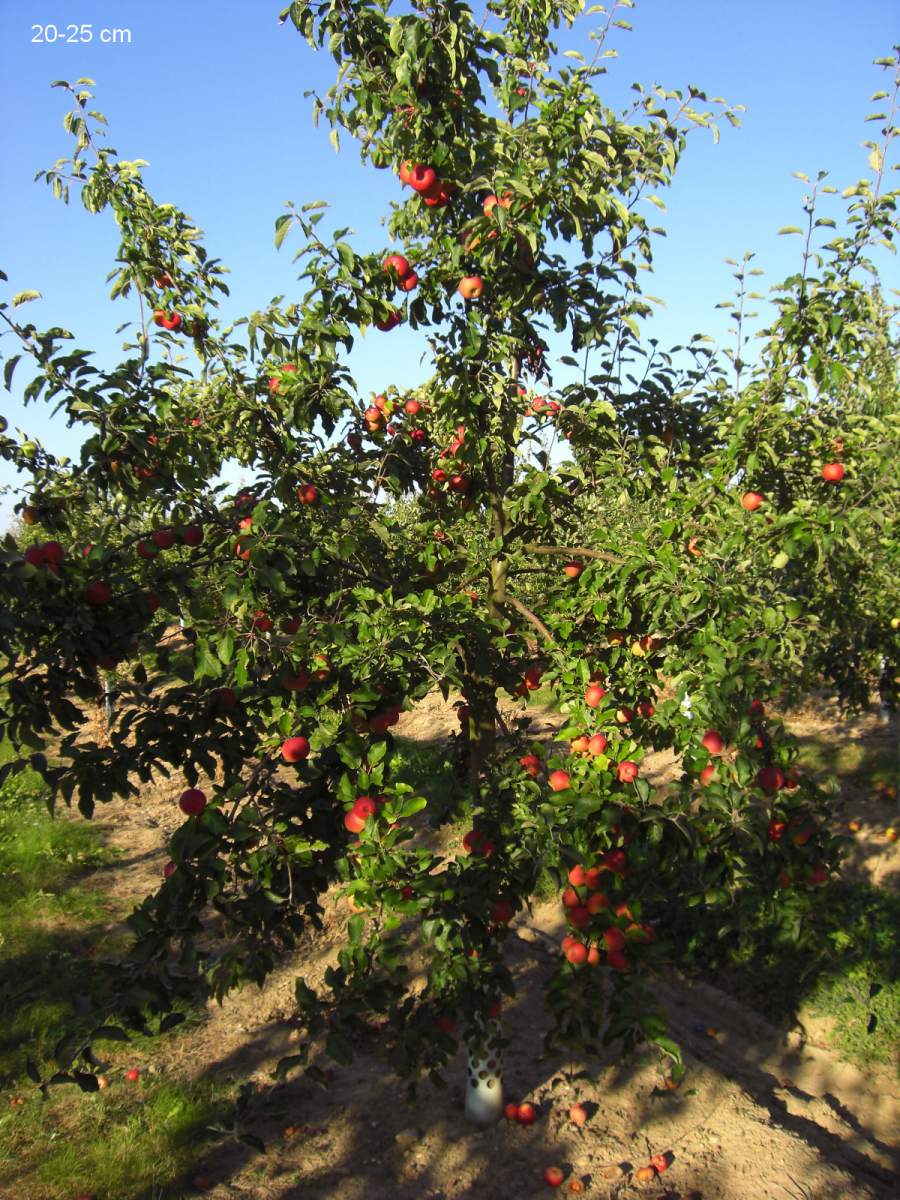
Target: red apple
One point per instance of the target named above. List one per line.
(478, 843)
(578, 1114)
(578, 916)
(559, 780)
(169, 870)
(531, 764)
(364, 806)
(553, 1176)
(751, 501)
(295, 749)
(164, 539)
(627, 771)
(770, 779)
(390, 322)
(833, 472)
(398, 264)
(597, 902)
(459, 484)
(295, 683)
(290, 625)
(598, 743)
(526, 1114)
(502, 912)
(577, 876)
(409, 283)
(573, 569)
(593, 695)
(98, 593)
(707, 773)
(354, 823)
(471, 287)
(192, 802)
(422, 178)
(511, 1112)
(192, 535)
(132, 1074)
(307, 493)
(713, 742)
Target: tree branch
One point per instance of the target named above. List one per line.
(530, 616)
(580, 551)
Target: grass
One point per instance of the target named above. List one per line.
(114, 1144)
(128, 1142)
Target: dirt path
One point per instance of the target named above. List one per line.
(759, 1116)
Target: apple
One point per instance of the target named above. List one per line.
(833, 472)
(307, 493)
(171, 321)
(354, 823)
(597, 902)
(412, 407)
(593, 695)
(439, 475)
(34, 555)
(645, 1175)
(398, 264)
(164, 280)
(491, 202)
(295, 749)
(891, 833)
(593, 957)
(169, 870)
(770, 779)
(570, 898)
(559, 780)
(624, 715)
(390, 322)
(617, 960)
(409, 283)
(627, 771)
(502, 912)
(459, 484)
(98, 593)
(364, 806)
(418, 435)
(290, 625)
(354, 441)
(553, 1176)
(580, 744)
(531, 764)
(578, 916)
(660, 1162)
(295, 683)
(471, 287)
(598, 743)
(146, 550)
(422, 178)
(262, 622)
(163, 539)
(511, 1112)
(819, 876)
(578, 1114)
(532, 678)
(614, 938)
(30, 515)
(646, 709)
(132, 1074)
(224, 697)
(775, 830)
(241, 551)
(192, 802)
(446, 1025)
(573, 569)
(478, 843)
(713, 742)
(151, 601)
(438, 196)
(577, 876)
(526, 1114)
(757, 708)
(751, 501)
(404, 172)
(192, 535)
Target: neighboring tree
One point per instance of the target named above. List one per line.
(681, 566)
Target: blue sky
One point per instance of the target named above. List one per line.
(211, 94)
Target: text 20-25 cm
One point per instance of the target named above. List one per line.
(50, 35)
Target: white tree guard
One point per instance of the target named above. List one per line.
(484, 1083)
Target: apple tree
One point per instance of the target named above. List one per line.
(650, 542)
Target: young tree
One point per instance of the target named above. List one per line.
(663, 579)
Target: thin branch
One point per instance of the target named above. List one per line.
(530, 616)
(580, 551)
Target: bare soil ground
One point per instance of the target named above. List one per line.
(760, 1115)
